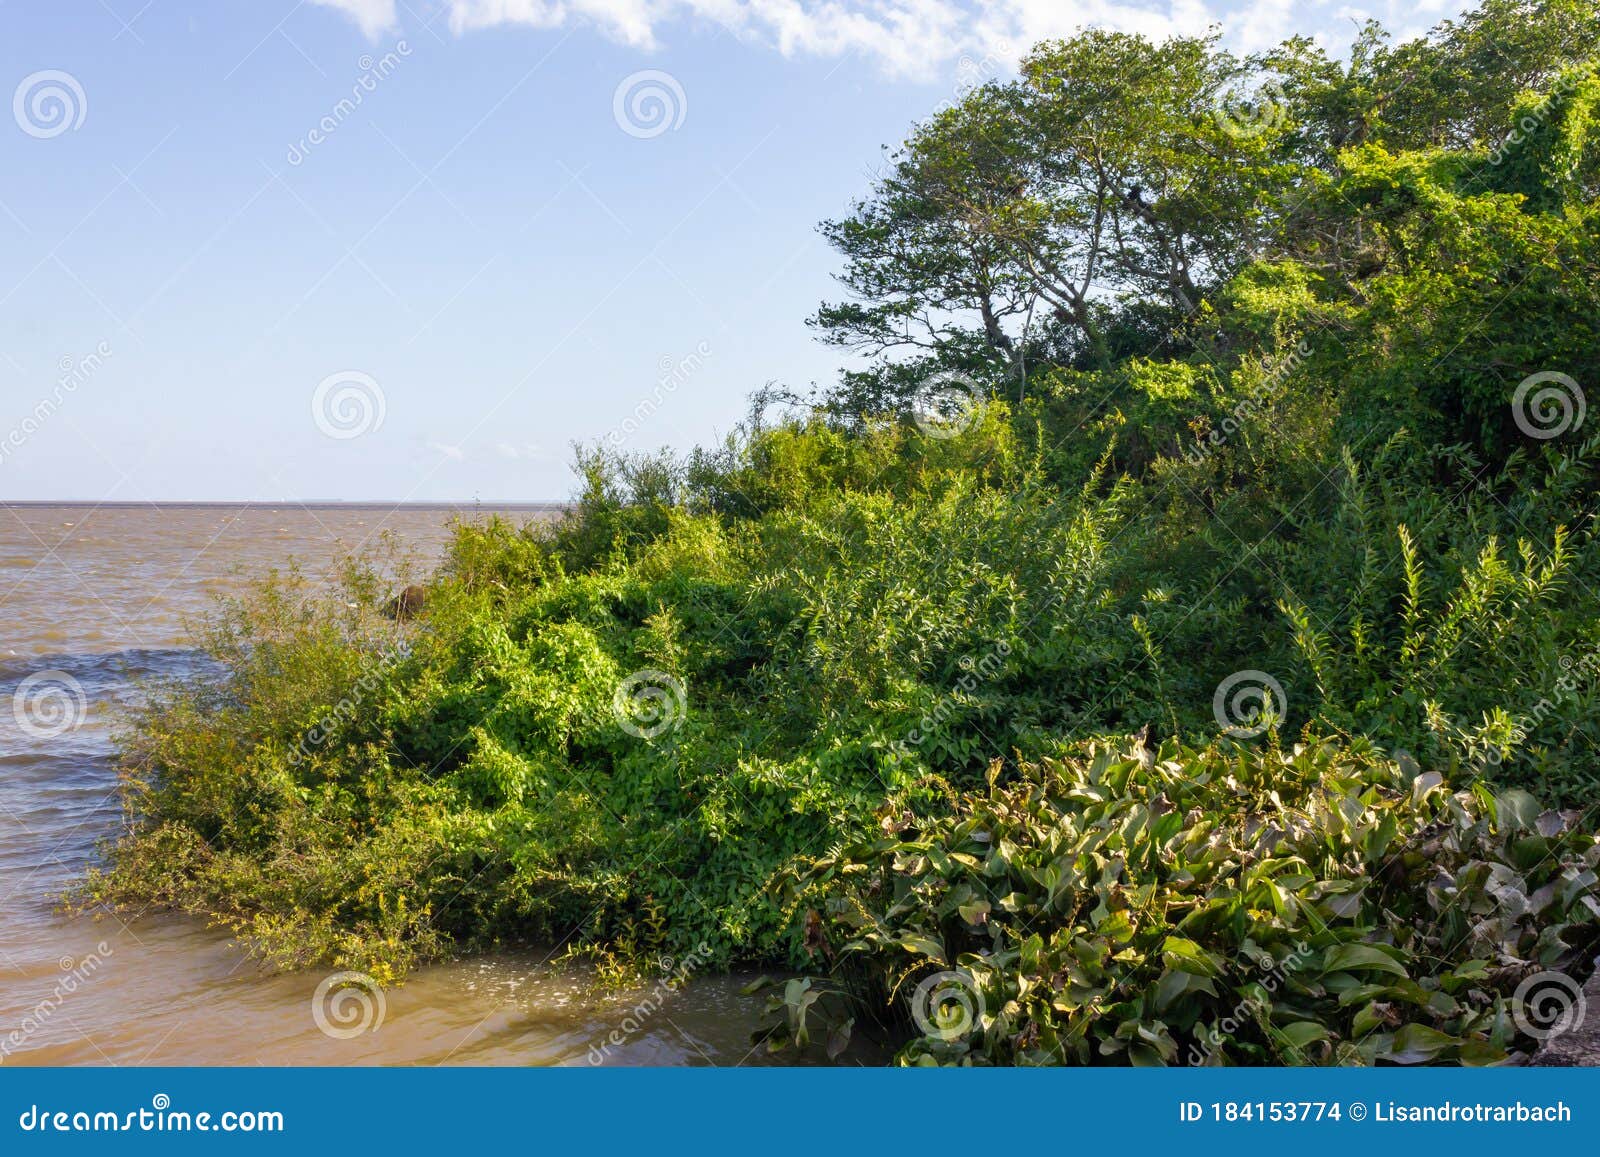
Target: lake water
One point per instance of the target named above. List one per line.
(98, 598)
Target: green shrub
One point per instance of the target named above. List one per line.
(377, 791)
(1220, 906)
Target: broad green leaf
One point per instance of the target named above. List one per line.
(1361, 958)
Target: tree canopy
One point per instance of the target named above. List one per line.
(1122, 199)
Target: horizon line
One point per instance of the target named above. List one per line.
(320, 503)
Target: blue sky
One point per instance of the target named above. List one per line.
(223, 275)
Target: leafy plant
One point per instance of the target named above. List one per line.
(1218, 906)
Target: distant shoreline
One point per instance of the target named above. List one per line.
(318, 504)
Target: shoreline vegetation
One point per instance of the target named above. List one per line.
(1177, 641)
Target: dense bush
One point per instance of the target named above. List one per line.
(1222, 906)
(366, 790)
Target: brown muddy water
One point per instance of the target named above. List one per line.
(97, 599)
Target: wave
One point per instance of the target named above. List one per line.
(111, 671)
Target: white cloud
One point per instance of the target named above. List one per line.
(454, 453)
(905, 37)
(532, 451)
(630, 21)
(372, 16)
(1265, 23)
(914, 38)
